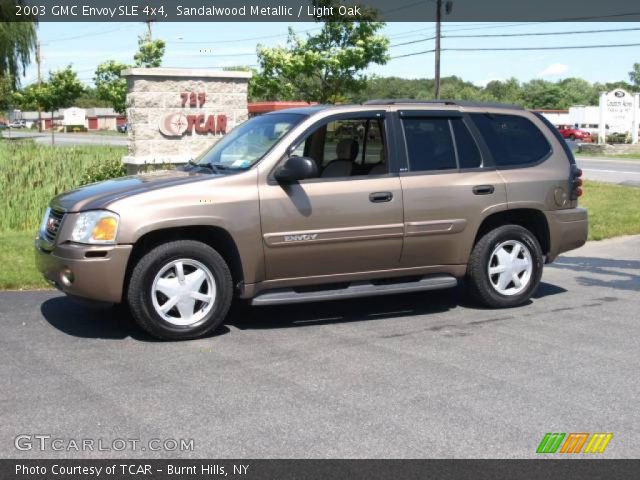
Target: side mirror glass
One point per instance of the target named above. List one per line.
(295, 169)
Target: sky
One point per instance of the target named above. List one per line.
(215, 45)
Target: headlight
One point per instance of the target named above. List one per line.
(45, 219)
(98, 226)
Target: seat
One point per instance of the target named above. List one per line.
(380, 168)
(347, 151)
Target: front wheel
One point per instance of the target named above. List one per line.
(505, 267)
(180, 290)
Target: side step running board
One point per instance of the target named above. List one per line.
(356, 289)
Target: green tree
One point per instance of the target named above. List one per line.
(542, 94)
(507, 91)
(111, 86)
(325, 67)
(150, 52)
(89, 99)
(577, 91)
(6, 94)
(60, 90)
(17, 41)
(634, 75)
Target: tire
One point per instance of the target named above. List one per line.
(495, 251)
(572, 137)
(156, 283)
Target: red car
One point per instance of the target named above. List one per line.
(574, 133)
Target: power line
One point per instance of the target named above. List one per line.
(523, 34)
(492, 25)
(203, 54)
(237, 40)
(531, 34)
(411, 42)
(85, 35)
(513, 49)
(572, 47)
(413, 54)
(414, 41)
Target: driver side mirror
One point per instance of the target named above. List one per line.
(296, 168)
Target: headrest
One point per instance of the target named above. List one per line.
(347, 149)
(383, 155)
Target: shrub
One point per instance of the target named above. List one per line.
(76, 128)
(619, 138)
(106, 170)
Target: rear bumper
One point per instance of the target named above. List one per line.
(98, 278)
(568, 229)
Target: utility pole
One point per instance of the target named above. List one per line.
(38, 60)
(448, 6)
(437, 53)
(150, 33)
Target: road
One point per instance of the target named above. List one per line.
(419, 375)
(622, 172)
(66, 139)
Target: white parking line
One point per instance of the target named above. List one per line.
(608, 171)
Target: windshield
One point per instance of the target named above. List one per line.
(243, 146)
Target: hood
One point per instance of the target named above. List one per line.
(100, 195)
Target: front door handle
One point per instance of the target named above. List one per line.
(378, 197)
(483, 189)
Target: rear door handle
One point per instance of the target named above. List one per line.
(378, 197)
(483, 189)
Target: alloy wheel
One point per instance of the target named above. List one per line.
(510, 267)
(183, 292)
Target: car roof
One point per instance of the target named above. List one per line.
(423, 104)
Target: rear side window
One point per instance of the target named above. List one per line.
(429, 144)
(468, 152)
(512, 140)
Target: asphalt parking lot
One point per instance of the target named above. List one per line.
(420, 375)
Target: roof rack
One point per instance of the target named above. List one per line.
(458, 103)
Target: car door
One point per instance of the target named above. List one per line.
(448, 184)
(348, 219)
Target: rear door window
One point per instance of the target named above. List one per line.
(468, 151)
(512, 139)
(429, 144)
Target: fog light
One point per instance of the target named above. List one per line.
(66, 276)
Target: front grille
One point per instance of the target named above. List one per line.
(53, 225)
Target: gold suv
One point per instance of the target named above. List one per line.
(324, 203)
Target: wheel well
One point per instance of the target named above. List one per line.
(529, 218)
(216, 237)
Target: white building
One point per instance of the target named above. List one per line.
(617, 107)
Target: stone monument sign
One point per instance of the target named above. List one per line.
(175, 114)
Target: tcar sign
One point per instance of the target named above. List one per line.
(177, 124)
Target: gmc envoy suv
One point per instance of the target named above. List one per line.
(323, 203)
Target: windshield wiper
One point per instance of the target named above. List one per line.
(192, 163)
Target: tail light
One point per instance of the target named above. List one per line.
(575, 182)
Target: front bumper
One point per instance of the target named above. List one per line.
(568, 229)
(87, 271)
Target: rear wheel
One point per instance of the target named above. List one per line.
(180, 290)
(505, 267)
